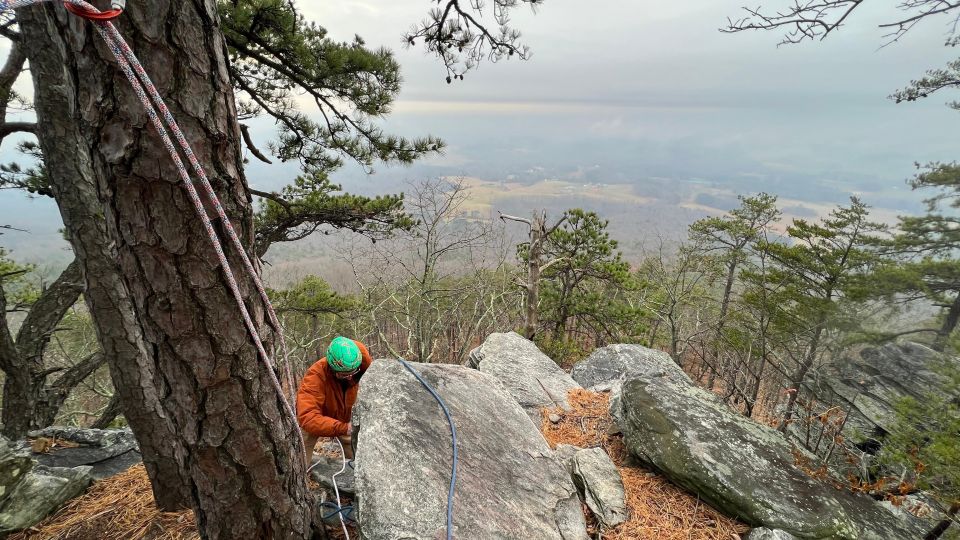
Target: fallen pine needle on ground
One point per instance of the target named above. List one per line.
(119, 507)
(122, 508)
(658, 509)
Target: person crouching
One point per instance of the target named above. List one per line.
(327, 393)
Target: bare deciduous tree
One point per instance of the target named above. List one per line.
(538, 233)
(443, 278)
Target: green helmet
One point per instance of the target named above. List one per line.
(343, 354)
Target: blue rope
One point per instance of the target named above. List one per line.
(453, 435)
(347, 510)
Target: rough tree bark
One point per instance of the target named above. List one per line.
(197, 397)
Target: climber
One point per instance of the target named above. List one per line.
(327, 392)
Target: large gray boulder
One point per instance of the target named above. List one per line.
(742, 468)
(39, 493)
(509, 485)
(868, 382)
(106, 451)
(531, 377)
(611, 366)
(599, 481)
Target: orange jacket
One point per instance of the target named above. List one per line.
(324, 403)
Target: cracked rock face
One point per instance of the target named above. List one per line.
(29, 492)
(530, 376)
(869, 382)
(743, 468)
(509, 485)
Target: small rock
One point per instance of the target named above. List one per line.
(555, 418)
(599, 481)
(41, 491)
(323, 470)
(564, 454)
(107, 451)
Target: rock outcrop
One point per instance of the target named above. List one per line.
(763, 533)
(30, 492)
(531, 377)
(869, 382)
(610, 366)
(106, 451)
(743, 468)
(509, 484)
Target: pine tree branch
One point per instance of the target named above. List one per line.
(248, 140)
(47, 312)
(75, 374)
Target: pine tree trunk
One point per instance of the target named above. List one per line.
(721, 321)
(796, 382)
(192, 387)
(20, 396)
(948, 326)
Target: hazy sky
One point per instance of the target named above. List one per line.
(641, 89)
(631, 90)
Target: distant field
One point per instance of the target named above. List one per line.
(640, 213)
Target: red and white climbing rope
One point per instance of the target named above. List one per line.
(144, 87)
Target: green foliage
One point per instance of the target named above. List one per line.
(33, 179)
(587, 280)
(822, 264)
(729, 236)
(276, 55)
(728, 239)
(927, 433)
(926, 267)
(20, 291)
(311, 296)
(564, 352)
(312, 202)
(934, 80)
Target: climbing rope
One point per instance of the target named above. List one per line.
(338, 510)
(453, 437)
(342, 510)
(142, 86)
